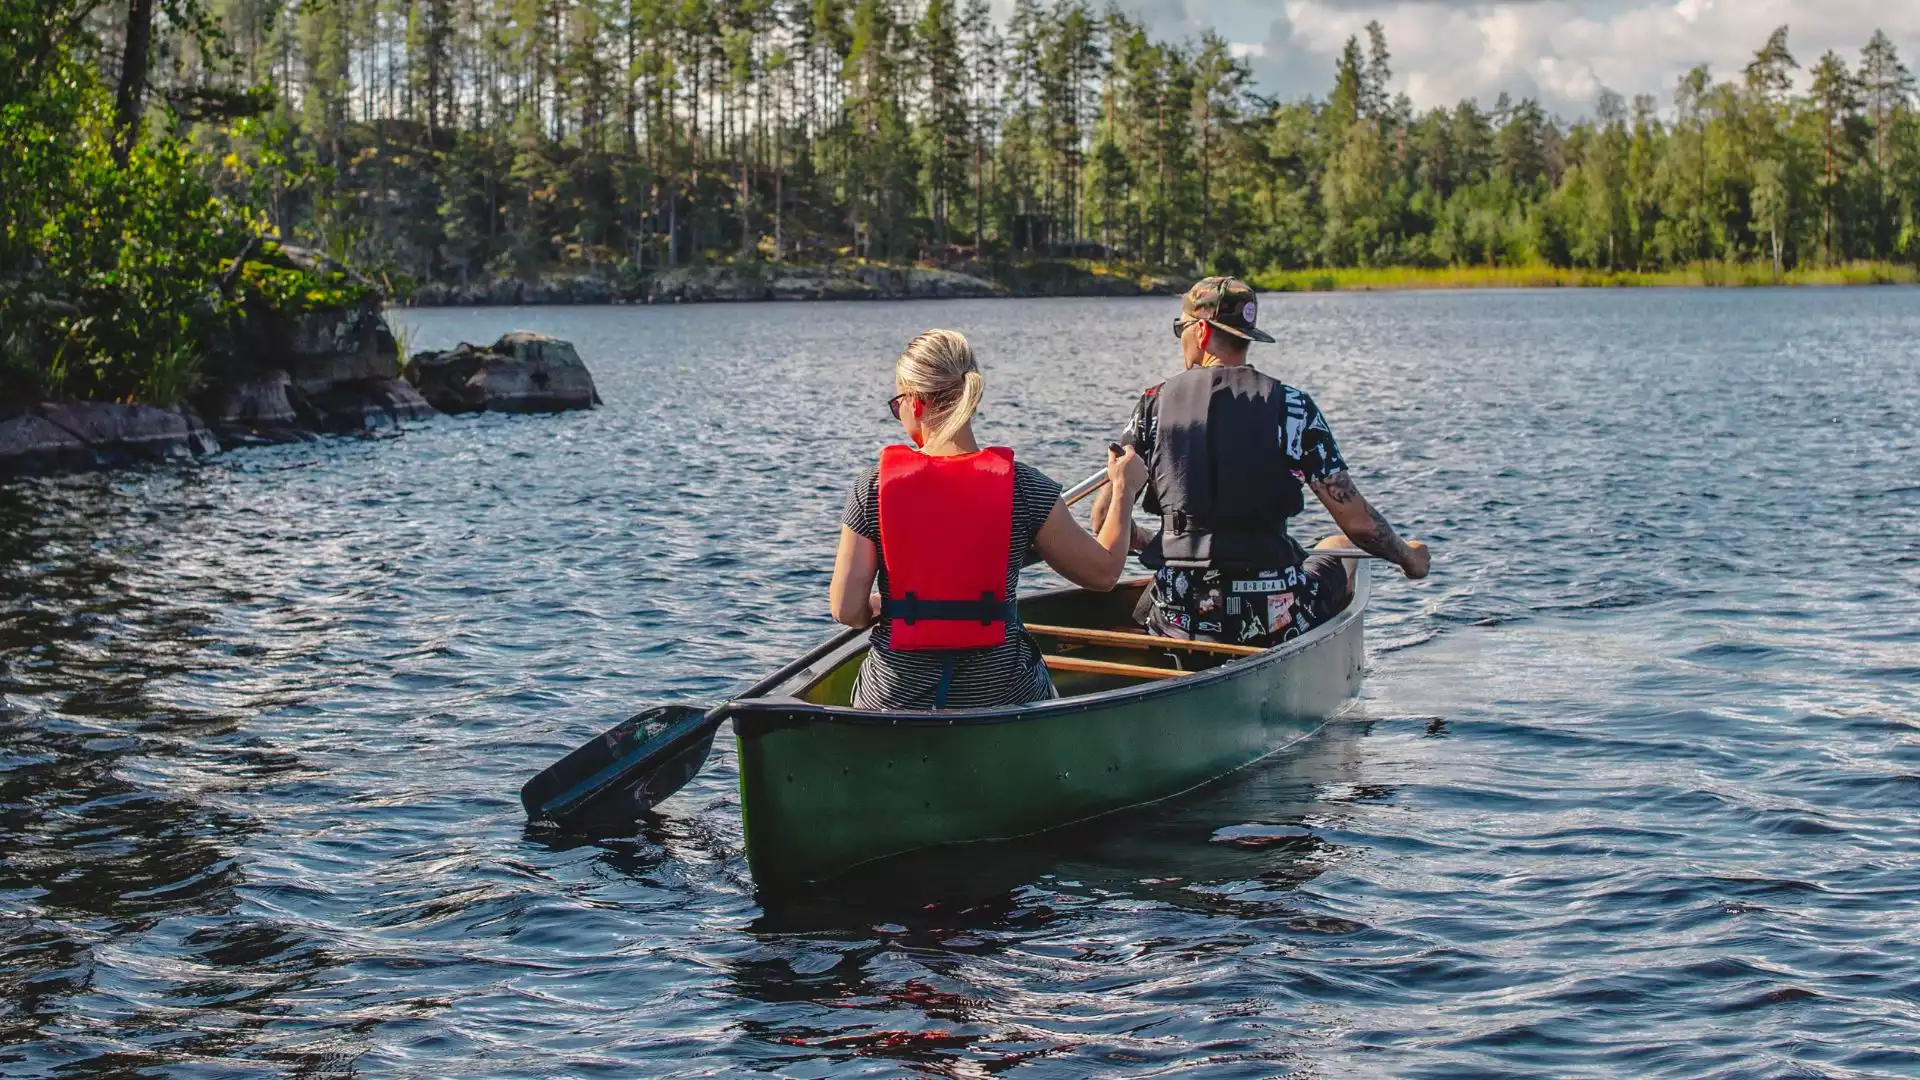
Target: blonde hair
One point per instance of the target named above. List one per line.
(938, 368)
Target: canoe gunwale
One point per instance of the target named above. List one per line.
(774, 710)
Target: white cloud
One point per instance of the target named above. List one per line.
(1562, 51)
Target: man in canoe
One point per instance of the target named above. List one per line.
(945, 526)
(1227, 449)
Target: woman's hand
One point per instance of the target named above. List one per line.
(1126, 472)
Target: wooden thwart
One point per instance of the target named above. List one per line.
(1103, 667)
(1139, 641)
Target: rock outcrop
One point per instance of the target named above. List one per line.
(276, 376)
(256, 408)
(364, 405)
(522, 372)
(285, 376)
(75, 436)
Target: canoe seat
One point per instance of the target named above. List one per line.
(1105, 667)
(1134, 640)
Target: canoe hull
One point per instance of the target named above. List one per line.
(824, 790)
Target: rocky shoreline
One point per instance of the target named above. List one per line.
(294, 379)
(277, 378)
(729, 283)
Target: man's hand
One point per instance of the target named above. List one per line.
(1417, 561)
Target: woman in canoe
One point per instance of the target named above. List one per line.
(946, 528)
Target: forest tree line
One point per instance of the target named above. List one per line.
(153, 144)
(452, 139)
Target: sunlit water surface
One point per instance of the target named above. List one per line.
(1634, 788)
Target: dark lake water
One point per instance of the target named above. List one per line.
(1634, 788)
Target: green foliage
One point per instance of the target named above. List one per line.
(107, 281)
(285, 290)
(117, 243)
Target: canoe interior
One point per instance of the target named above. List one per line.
(1094, 611)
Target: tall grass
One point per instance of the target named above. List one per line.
(1710, 274)
(404, 335)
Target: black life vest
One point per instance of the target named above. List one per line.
(1219, 479)
(946, 534)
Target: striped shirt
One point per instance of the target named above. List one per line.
(1006, 674)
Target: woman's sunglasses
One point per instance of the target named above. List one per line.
(893, 404)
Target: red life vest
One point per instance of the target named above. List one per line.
(946, 533)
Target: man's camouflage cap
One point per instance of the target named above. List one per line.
(1226, 304)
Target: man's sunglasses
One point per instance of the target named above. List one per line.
(893, 404)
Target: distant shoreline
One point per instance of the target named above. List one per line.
(883, 282)
(855, 279)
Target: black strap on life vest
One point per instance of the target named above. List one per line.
(987, 610)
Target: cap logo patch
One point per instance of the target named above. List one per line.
(1249, 311)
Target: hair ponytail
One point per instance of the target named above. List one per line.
(938, 368)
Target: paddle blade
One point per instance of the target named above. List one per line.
(624, 770)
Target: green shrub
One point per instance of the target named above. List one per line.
(114, 275)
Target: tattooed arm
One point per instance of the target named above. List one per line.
(1364, 525)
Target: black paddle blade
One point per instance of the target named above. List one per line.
(624, 770)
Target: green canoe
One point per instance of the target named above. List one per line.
(825, 788)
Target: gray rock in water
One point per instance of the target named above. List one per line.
(522, 372)
(67, 436)
(32, 445)
(366, 405)
(257, 409)
(324, 349)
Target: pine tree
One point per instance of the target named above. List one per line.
(1835, 99)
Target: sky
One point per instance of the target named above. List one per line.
(1563, 52)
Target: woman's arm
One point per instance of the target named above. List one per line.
(1103, 499)
(854, 567)
(1095, 562)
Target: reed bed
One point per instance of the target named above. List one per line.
(1705, 274)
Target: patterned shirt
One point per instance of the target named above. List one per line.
(1265, 607)
(1008, 674)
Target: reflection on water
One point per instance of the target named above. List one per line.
(859, 945)
(1632, 789)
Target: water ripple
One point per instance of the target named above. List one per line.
(1632, 792)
